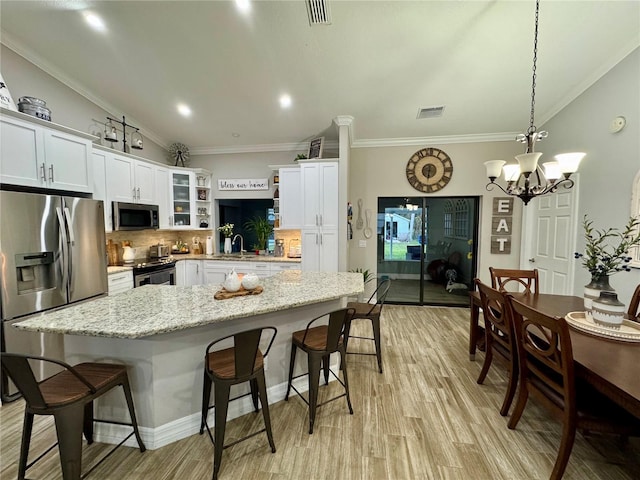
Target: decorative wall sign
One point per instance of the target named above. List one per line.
(5, 96)
(315, 148)
(243, 184)
(501, 224)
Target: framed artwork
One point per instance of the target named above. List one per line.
(315, 148)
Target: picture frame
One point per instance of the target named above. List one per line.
(315, 148)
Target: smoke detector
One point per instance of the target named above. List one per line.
(430, 112)
(319, 13)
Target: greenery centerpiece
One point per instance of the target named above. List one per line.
(261, 227)
(226, 229)
(606, 253)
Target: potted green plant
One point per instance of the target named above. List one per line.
(606, 253)
(262, 229)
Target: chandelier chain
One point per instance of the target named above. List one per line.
(532, 127)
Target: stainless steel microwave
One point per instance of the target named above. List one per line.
(134, 216)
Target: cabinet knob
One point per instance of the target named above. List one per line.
(532, 260)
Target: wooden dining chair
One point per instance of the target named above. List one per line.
(634, 306)
(513, 280)
(68, 396)
(223, 368)
(319, 342)
(547, 373)
(370, 310)
(499, 338)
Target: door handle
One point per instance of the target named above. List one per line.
(134, 194)
(138, 193)
(532, 260)
(51, 173)
(44, 173)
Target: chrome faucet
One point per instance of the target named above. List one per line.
(233, 242)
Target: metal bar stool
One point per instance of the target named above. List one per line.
(68, 396)
(319, 343)
(371, 310)
(244, 362)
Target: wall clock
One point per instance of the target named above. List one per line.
(429, 170)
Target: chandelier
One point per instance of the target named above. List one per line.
(526, 179)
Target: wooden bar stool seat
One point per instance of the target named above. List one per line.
(319, 342)
(244, 362)
(68, 396)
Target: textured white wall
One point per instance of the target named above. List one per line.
(380, 172)
(612, 161)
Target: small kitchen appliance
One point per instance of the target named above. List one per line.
(279, 250)
(295, 248)
(158, 251)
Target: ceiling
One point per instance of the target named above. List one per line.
(378, 61)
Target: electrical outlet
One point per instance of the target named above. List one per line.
(362, 244)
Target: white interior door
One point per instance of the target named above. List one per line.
(550, 225)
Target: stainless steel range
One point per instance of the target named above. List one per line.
(154, 271)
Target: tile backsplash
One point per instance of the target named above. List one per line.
(143, 239)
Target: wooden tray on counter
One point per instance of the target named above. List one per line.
(224, 295)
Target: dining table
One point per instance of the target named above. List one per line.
(610, 365)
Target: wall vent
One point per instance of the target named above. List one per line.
(430, 112)
(319, 13)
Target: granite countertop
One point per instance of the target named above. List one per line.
(236, 257)
(219, 257)
(157, 309)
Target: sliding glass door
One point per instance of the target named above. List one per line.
(426, 245)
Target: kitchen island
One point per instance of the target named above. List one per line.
(161, 331)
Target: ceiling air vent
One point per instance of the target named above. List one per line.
(430, 112)
(318, 11)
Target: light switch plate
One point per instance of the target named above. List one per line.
(362, 244)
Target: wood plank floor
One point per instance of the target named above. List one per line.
(424, 418)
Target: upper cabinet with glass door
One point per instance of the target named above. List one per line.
(181, 198)
(190, 199)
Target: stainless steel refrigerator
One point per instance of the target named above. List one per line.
(52, 254)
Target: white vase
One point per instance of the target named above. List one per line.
(227, 245)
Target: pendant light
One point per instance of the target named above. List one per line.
(527, 179)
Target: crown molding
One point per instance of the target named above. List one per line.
(446, 139)
(11, 43)
(269, 147)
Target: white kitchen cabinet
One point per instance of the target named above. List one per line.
(281, 267)
(289, 190)
(183, 199)
(320, 250)
(130, 180)
(319, 182)
(215, 271)
(163, 197)
(120, 282)
(99, 169)
(35, 155)
(189, 272)
(193, 272)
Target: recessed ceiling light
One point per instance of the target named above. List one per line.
(243, 5)
(285, 101)
(235, 134)
(95, 21)
(184, 110)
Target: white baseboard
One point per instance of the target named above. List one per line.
(184, 427)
